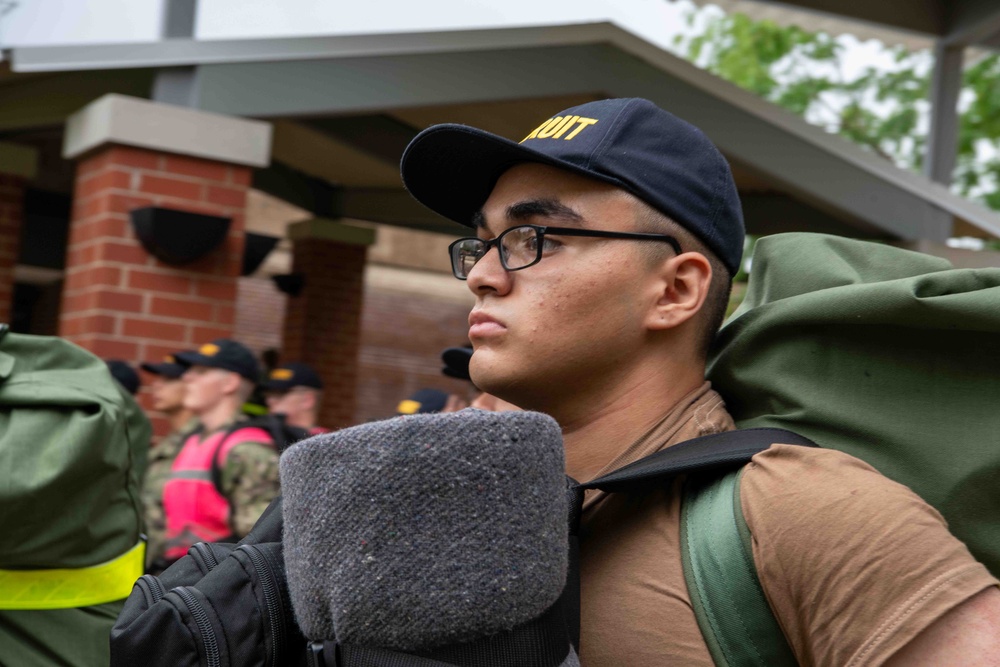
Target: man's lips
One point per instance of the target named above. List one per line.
(481, 324)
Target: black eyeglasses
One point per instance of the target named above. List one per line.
(522, 246)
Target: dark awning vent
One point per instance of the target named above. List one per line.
(255, 251)
(178, 237)
(290, 283)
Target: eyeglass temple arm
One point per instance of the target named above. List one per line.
(600, 233)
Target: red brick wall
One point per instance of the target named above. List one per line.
(11, 215)
(322, 324)
(120, 302)
(403, 334)
(260, 314)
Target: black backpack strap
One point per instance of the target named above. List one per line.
(541, 642)
(216, 463)
(709, 453)
(732, 611)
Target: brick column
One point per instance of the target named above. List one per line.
(323, 323)
(17, 166)
(118, 300)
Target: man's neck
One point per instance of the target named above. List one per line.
(179, 418)
(306, 420)
(594, 435)
(220, 414)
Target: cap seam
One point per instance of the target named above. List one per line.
(615, 124)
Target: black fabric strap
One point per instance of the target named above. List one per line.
(541, 642)
(708, 453)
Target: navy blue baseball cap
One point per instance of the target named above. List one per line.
(291, 375)
(170, 368)
(456, 362)
(124, 374)
(630, 143)
(225, 354)
(423, 401)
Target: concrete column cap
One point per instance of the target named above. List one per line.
(18, 160)
(330, 230)
(118, 119)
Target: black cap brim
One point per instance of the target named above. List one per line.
(452, 169)
(198, 359)
(456, 362)
(166, 369)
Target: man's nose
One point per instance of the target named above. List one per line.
(488, 275)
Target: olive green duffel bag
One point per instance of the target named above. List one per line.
(73, 448)
(889, 355)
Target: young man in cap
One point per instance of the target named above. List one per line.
(295, 391)
(605, 245)
(225, 475)
(167, 390)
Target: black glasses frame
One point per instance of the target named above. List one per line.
(541, 231)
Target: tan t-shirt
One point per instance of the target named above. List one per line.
(853, 564)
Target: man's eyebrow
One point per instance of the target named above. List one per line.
(543, 208)
(525, 210)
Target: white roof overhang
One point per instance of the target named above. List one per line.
(792, 168)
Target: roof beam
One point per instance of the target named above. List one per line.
(923, 16)
(185, 52)
(942, 139)
(971, 22)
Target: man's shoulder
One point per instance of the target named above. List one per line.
(251, 455)
(243, 430)
(785, 475)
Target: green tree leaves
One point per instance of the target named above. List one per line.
(883, 108)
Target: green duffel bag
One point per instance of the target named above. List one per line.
(889, 355)
(73, 448)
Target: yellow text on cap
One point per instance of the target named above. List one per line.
(408, 407)
(209, 349)
(281, 374)
(555, 128)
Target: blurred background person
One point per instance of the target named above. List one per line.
(225, 474)
(124, 374)
(167, 391)
(295, 391)
(456, 365)
(427, 401)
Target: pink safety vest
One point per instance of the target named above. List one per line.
(194, 509)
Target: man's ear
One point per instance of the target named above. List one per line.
(232, 383)
(682, 288)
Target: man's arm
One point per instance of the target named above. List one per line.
(968, 635)
(250, 481)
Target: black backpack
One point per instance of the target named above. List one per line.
(228, 605)
(222, 604)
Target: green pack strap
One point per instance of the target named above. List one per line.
(71, 588)
(729, 603)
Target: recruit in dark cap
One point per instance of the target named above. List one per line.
(600, 265)
(169, 367)
(224, 354)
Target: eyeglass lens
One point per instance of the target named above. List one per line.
(519, 248)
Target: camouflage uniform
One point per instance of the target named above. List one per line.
(161, 459)
(249, 480)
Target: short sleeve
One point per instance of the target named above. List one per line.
(853, 564)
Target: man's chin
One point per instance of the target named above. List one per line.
(493, 378)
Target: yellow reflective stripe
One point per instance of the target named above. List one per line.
(69, 588)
